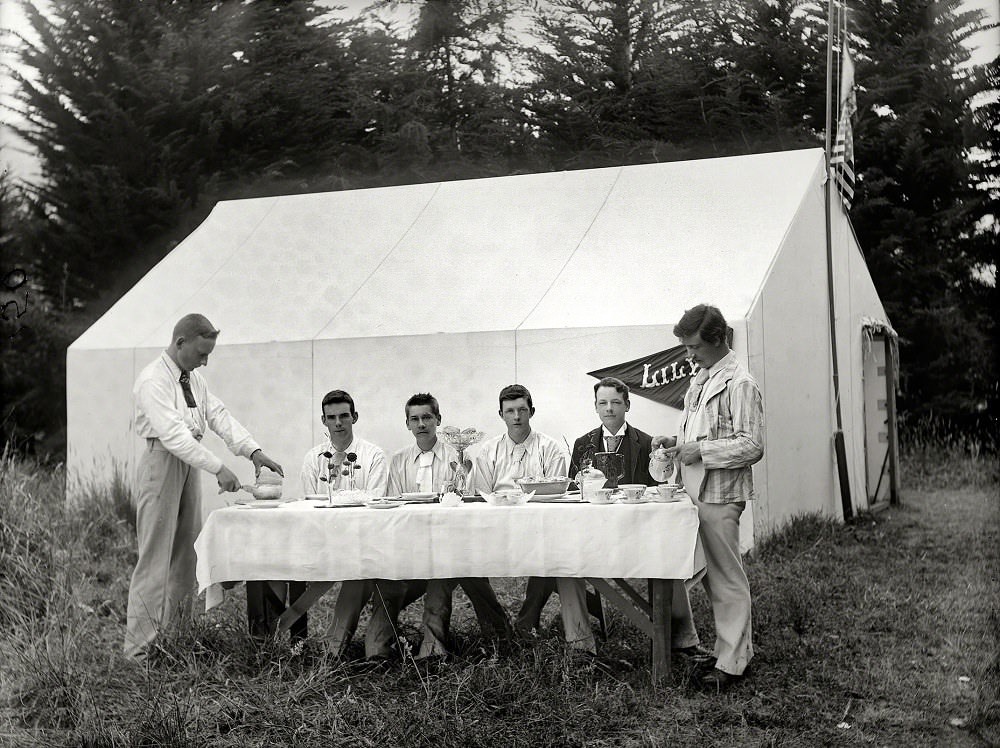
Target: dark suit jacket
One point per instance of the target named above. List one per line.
(635, 450)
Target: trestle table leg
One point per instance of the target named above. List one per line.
(302, 603)
(661, 594)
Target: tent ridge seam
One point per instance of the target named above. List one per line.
(583, 236)
(381, 262)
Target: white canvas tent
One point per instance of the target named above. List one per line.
(460, 288)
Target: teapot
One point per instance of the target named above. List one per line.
(590, 480)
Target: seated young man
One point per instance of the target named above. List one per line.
(522, 452)
(424, 467)
(611, 403)
(339, 417)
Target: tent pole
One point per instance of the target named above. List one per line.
(838, 435)
(890, 405)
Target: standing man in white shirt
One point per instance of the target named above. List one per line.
(172, 410)
(521, 453)
(424, 467)
(323, 466)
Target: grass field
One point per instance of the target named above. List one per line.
(885, 631)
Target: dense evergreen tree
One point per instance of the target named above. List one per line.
(917, 206)
(590, 95)
(124, 115)
(438, 102)
(137, 108)
(636, 80)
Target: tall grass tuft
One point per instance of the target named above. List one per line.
(61, 571)
(934, 454)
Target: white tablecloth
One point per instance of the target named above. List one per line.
(302, 542)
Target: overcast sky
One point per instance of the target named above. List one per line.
(13, 157)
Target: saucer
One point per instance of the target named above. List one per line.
(384, 504)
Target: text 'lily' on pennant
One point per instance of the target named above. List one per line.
(662, 376)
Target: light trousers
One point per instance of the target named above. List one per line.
(573, 607)
(167, 521)
(726, 584)
(387, 596)
(493, 620)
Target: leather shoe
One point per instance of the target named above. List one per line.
(695, 653)
(717, 681)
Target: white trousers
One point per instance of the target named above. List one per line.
(167, 521)
(387, 596)
(573, 607)
(726, 584)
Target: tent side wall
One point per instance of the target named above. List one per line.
(99, 417)
(789, 345)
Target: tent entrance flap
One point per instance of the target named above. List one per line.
(879, 417)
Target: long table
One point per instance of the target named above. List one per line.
(606, 544)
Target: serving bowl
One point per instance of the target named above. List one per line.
(544, 486)
(268, 492)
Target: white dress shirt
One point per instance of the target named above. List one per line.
(501, 462)
(405, 464)
(371, 476)
(160, 412)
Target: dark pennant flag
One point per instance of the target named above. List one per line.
(662, 376)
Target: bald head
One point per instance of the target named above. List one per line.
(193, 326)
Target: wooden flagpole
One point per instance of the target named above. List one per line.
(838, 434)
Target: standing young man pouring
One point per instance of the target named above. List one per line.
(721, 436)
(173, 409)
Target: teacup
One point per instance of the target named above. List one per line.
(451, 499)
(601, 496)
(589, 487)
(633, 491)
(666, 491)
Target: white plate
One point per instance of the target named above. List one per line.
(384, 504)
(559, 498)
(261, 503)
(641, 500)
(419, 496)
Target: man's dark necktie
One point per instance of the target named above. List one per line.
(185, 381)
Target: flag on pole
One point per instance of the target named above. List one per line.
(842, 159)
